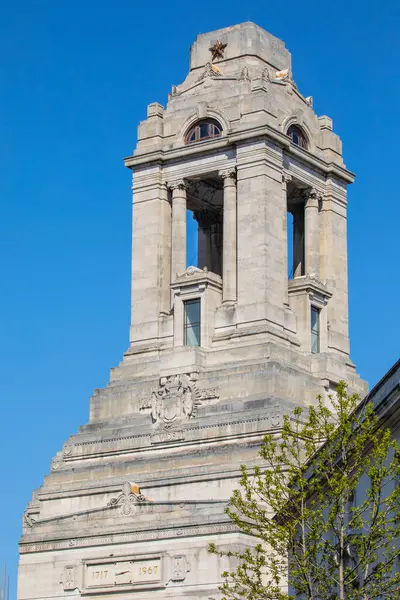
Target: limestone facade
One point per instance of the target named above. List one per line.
(219, 351)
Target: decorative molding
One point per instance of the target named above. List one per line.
(207, 394)
(127, 538)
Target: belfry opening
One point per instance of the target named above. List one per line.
(205, 203)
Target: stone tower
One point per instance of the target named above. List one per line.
(219, 350)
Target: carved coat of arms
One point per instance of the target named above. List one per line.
(177, 398)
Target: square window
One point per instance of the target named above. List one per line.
(191, 326)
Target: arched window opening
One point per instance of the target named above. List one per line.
(203, 130)
(297, 136)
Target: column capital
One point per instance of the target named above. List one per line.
(179, 184)
(228, 174)
(312, 195)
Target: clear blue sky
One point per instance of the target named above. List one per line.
(75, 79)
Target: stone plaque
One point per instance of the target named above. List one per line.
(134, 572)
(99, 575)
(145, 571)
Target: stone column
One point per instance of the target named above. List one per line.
(312, 233)
(178, 242)
(229, 233)
(298, 240)
(286, 178)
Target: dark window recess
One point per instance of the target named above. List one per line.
(191, 326)
(297, 136)
(315, 330)
(204, 130)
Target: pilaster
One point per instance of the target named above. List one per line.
(229, 260)
(333, 266)
(151, 249)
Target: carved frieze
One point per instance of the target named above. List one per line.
(126, 538)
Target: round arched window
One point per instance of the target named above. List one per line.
(203, 130)
(297, 136)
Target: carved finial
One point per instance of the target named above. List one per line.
(130, 496)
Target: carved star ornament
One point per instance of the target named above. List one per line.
(217, 51)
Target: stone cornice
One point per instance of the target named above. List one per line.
(271, 419)
(182, 152)
(27, 545)
(160, 480)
